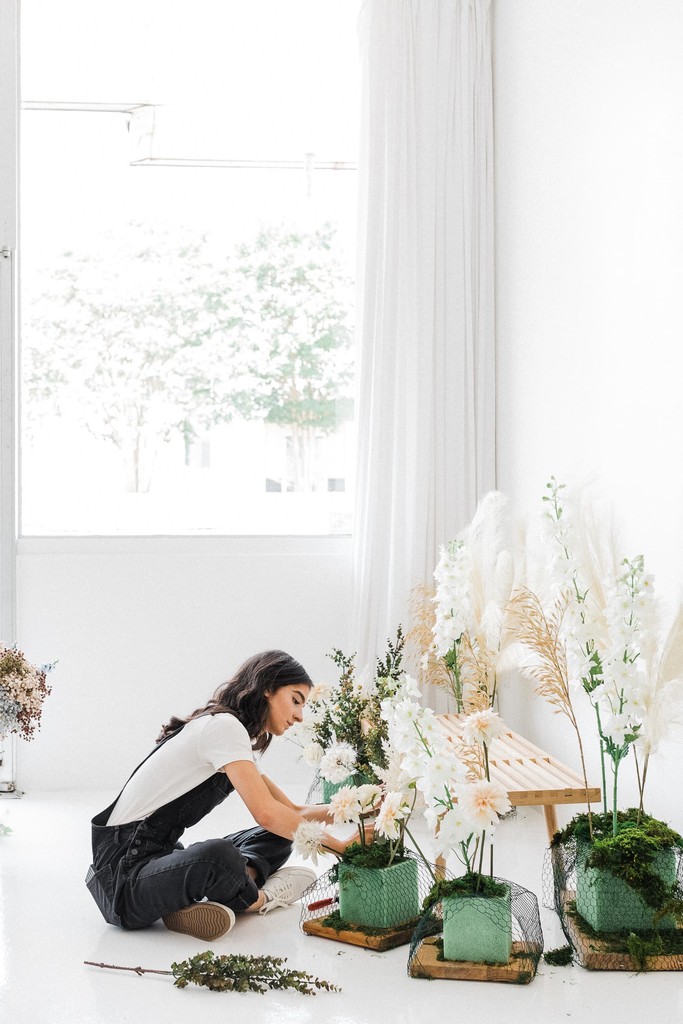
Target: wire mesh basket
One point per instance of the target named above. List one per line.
(468, 936)
(377, 907)
(609, 924)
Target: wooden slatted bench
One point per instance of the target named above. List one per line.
(531, 776)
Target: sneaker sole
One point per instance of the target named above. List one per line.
(205, 920)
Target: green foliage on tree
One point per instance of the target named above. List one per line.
(291, 349)
(156, 333)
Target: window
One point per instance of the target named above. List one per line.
(187, 242)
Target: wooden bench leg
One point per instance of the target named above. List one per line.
(550, 819)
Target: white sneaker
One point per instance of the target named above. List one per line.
(286, 886)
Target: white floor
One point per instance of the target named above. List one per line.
(49, 926)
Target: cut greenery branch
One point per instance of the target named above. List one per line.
(234, 972)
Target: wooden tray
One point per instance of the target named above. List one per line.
(597, 955)
(388, 938)
(519, 970)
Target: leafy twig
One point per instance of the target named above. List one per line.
(234, 972)
(117, 967)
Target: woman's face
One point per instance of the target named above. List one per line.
(285, 707)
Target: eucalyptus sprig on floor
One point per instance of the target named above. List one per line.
(235, 972)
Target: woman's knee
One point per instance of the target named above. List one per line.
(218, 855)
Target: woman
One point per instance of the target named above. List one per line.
(141, 872)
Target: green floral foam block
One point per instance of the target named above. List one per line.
(330, 788)
(379, 897)
(609, 904)
(477, 929)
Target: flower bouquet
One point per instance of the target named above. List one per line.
(372, 895)
(462, 808)
(603, 642)
(473, 918)
(342, 733)
(23, 688)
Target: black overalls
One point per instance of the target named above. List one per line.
(141, 872)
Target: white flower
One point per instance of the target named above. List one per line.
(393, 811)
(414, 764)
(368, 796)
(345, 805)
(394, 776)
(338, 762)
(407, 688)
(308, 840)
(617, 727)
(312, 754)
(319, 694)
(482, 727)
(366, 683)
(482, 802)
(440, 772)
(452, 829)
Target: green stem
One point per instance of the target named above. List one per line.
(602, 760)
(457, 688)
(426, 862)
(494, 690)
(615, 769)
(642, 788)
(464, 849)
(481, 858)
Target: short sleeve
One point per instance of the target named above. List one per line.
(223, 739)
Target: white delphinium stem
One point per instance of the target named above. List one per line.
(456, 810)
(452, 606)
(619, 701)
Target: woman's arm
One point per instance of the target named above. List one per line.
(279, 816)
(310, 812)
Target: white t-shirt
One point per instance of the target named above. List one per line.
(199, 750)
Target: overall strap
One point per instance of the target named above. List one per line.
(103, 817)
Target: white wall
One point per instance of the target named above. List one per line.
(589, 257)
(144, 628)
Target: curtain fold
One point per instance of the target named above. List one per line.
(426, 395)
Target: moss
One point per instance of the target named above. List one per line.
(630, 854)
(560, 957)
(374, 855)
(664, 943)
(579, 828)
(339, 924)
(466, 885)
(641, 948)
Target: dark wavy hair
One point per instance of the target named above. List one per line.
(244, 696)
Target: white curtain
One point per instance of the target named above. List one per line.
(426, 397)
